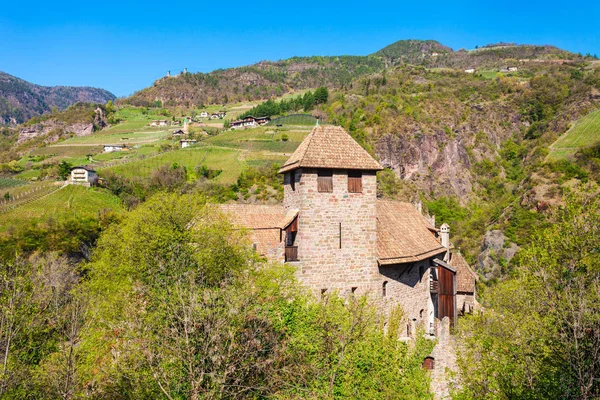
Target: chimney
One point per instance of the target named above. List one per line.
(185, 71)
(168, 73)
(445, 235)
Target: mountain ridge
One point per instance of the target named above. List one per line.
(268, 79)
(21, 100)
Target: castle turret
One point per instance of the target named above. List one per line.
(330, 183)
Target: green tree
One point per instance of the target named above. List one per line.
(539, 336)
(321, 95)
(64, 169)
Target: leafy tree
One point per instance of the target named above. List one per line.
(539, 336)
(64, 169)
(321, 95)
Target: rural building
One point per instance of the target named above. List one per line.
(178, 132)
(187, 143)
(83, 175)
(218, 115)
(332, 227)
(249, 122)
(470, 70)
(160, 122)
(508, 69)
(109, 148)
(203, 114)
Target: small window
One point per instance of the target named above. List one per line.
(421, 271)
(325, 181)
(384, 289)
(353, 290)
(323, 292)
(354, 182)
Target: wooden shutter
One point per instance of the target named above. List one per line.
(325, 181)
(447, 294)
(354, 182)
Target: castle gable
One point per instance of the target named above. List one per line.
(330, 147)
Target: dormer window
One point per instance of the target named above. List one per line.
(325, 181)
(354, 182)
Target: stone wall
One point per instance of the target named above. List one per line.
(444, 376)
(465, 302)
(408, 286)
(352, 268)
(336, 238)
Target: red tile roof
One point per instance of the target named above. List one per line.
(403, 234)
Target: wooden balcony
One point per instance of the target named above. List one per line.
(434, 286)
(291, 253)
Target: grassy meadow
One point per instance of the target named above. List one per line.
(585, 132)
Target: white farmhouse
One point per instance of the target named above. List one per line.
(82, 175)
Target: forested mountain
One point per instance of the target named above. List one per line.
(21, 100)
(268, 79)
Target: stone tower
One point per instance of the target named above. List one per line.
(330, 200)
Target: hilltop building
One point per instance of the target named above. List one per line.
(332, 227)
(82, 175)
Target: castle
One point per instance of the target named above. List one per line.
(332, 227)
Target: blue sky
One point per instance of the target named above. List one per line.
(125, 46)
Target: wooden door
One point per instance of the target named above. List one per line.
(446, 294)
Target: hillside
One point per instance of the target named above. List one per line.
(21, 100)
(268, 79)
(471, 147)
(255, 82)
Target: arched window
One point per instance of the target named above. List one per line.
(384, 289)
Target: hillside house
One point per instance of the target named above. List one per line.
(160, 122)
(178, 132)
(203, 114)
(187, 143)
(470, 70)
(109, 148)
(218, 115)
(83, 175)
(249, 122)
(332, 227)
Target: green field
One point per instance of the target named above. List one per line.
(585, 132)
(295, 120)
(75, 201)
(227, 160)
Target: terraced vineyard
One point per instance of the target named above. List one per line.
(585, 132)
(227, 160)
(68, 201)
(7, 183)
(17, 196)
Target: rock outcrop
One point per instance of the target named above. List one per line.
(496, 253)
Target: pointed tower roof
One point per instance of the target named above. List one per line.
(330, 147)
